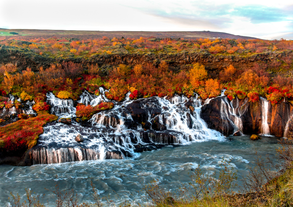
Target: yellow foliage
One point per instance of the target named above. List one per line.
(132, 89)
(196, 74)
(122, 70)
(10, 68)
(64, 94)
(73, 50)
(24, 96)
(8, 82)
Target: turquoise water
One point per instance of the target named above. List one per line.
(125, 180)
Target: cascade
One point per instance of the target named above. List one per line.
(88, 99)
(129, 127)
(30, 108)
(232, 112)
(265, 129)
(61, 107)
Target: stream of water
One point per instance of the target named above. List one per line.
(125, 180)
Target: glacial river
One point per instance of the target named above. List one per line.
(119, 181)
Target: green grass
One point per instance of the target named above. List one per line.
(2, 33)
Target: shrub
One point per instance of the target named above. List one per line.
(64, 94)
(25, 132)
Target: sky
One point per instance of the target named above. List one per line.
(267, 19)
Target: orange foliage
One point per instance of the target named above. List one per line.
(196, 74)
(227, 74)
(249, 79)
(137, 70)
(212, 87)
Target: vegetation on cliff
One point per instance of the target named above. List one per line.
(23, 134)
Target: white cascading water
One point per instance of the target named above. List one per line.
(265, 129)
(114, 133)
(232, 112)
(12, 110)
(61, 107)
(89, 99)
(30, 109)
(286, 131)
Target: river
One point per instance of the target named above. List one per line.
(123, 180)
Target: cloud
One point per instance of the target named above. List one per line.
(262, 14)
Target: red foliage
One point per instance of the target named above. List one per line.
(134, 94)
(253, 96)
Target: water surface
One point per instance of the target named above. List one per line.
(125, 180)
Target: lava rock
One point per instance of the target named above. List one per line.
(79, 138)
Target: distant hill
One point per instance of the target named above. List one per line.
(119, 34)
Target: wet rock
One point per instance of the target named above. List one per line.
(237, 133)
(65, 121)
(79, 138)
(278, 117)
(157, 125)
(211, 114)
(191, 108)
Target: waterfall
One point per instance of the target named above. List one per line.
(265, 129)
(51, 155)
(232, 112)
(128, 128)
(286, 131)
(90, 99)
(30, 108)
(61, 107)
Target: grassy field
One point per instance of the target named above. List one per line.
(4, 33)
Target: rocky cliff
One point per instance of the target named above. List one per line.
(259, 117)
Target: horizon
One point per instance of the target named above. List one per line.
(264, 19)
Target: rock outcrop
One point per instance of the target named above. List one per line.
(251, 115)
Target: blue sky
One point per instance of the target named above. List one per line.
(268, 19)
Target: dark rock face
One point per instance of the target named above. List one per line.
(211, 114)
(278, 116)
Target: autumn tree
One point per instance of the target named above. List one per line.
(228, 74)
(137, 70)
(196, 74)
(212, 87)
